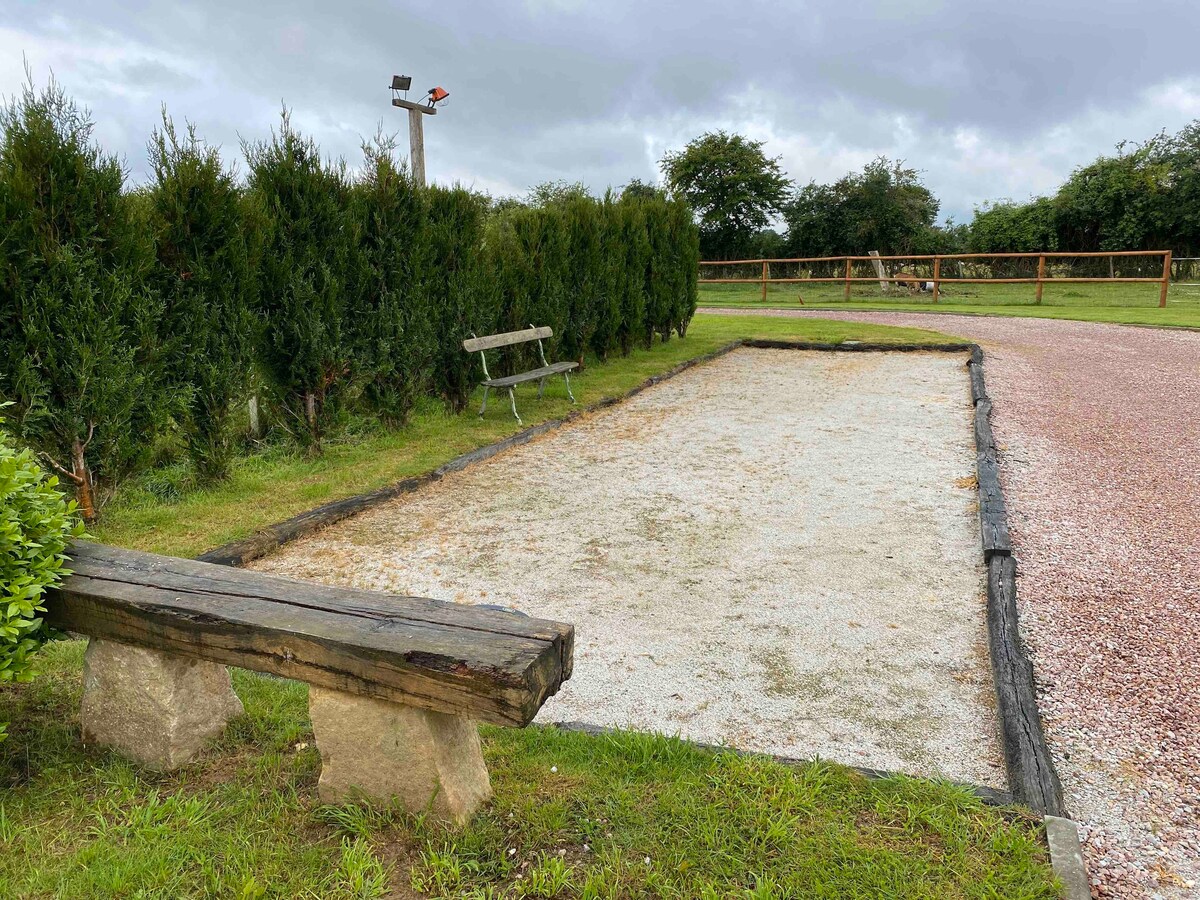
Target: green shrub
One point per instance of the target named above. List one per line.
(633, 330)
(393, 324)
(683, 243)
(36, 522)
(610, 279)
(79, 354)
(305, 279)
(205, 278)
(461, 287)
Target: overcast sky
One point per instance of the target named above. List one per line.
(989, 100)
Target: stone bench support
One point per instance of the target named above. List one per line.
(156, 708)
(381, 751)
(159, 710)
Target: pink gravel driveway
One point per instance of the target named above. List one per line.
(1099, 429)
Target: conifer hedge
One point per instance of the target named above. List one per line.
(135, 321)
(205, 278)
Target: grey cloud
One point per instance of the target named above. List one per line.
(989, 99)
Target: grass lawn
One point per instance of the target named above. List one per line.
(1127, 304)
(574, 816)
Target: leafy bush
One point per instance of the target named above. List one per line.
(205, 277)
(36, 522)
(79, 355)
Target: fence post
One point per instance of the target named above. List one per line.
(937, 277)
(1166, 279)
(847, 278)
(1041, 277)
(764, 282)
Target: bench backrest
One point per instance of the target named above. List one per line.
(486, 664)
(493, 341)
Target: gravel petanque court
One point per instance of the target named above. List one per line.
(777, 550)
(1100, 459)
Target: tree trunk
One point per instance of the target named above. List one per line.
(83, 483)
(310, 416)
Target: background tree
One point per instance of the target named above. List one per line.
(79, 355)
(732, 185)
(306, 276)
(1146, 197)
(885, 207)
(637, 189)
(1118, 202)
(551, 192)
(1008, 227)
(205, 279)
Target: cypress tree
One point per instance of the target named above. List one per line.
(306, 277)
(685, 238)
(393, 325)
(659, 271)
(79, 356)
(583, 272)
(205, 279)
(610, 275)
(460, 286)
(633, 331)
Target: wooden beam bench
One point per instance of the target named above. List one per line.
(396, 683)
(481, 345)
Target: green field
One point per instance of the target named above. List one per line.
(574, 816)
(1132, 304)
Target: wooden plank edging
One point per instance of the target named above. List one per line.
(1031, 772)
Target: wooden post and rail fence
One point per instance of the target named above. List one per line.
(848, 278)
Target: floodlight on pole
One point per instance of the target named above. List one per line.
(416, 127)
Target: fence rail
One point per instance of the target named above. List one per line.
(937, 279)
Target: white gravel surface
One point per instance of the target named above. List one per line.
(777, 551)
(1099, 427)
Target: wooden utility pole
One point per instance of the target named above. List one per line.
(416, 145)
(416, 135)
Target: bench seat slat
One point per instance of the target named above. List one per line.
(507, 339)
(486, 664)
(532, 375)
